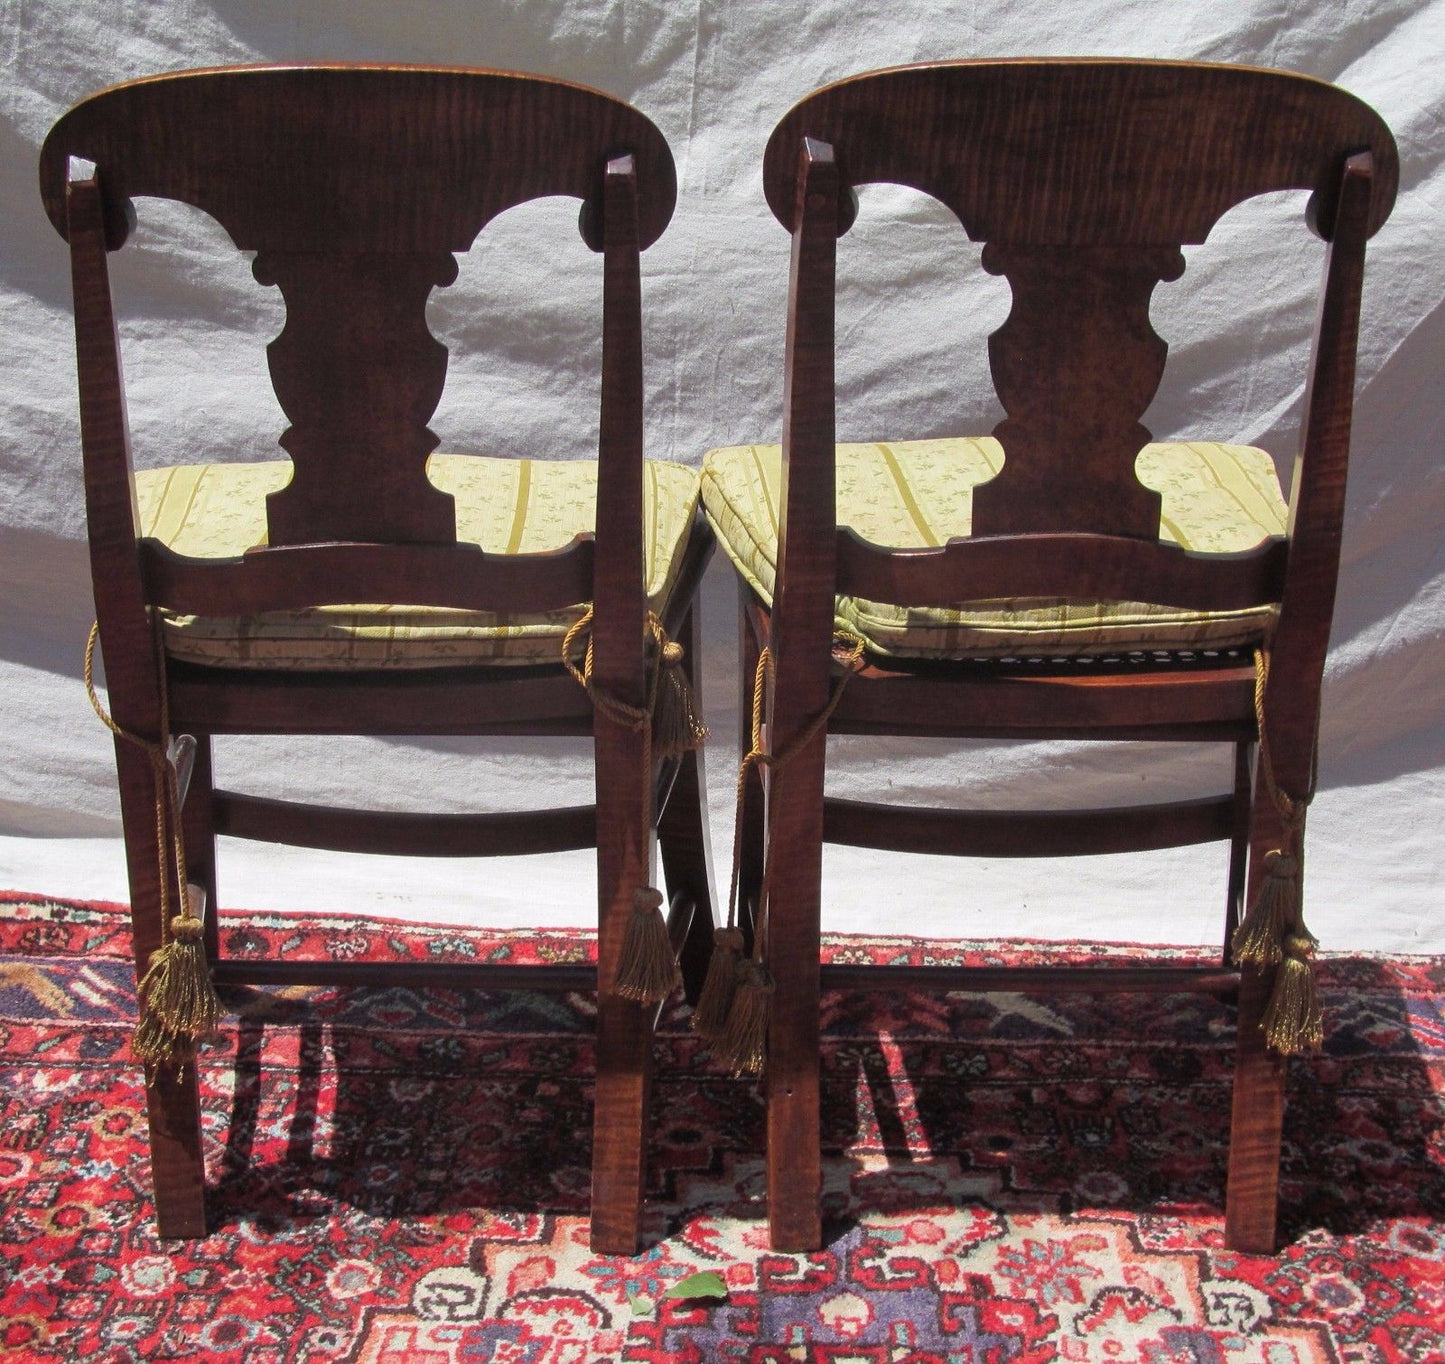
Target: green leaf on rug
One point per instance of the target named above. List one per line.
(706, 1285)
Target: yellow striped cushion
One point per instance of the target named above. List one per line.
(513, 506)
(907, 494)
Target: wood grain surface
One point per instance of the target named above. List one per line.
(1084, 179)
(355, 187)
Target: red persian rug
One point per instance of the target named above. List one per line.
(400, 1176)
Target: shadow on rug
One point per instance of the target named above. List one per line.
(401, 1176)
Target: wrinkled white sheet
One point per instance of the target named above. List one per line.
(715, 78)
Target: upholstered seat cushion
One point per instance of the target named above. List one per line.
(1216, 499)
(513, 506)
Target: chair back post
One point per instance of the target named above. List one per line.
(112, 518)
(802, 635)
(1317, 492)
(94, 225)
(807, 538)
(618, 594)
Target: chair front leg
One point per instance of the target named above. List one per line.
(685, 845)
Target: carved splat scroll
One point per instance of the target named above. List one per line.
(1075, 365)
(359, 383)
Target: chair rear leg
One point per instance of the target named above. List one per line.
(624, 1028)
(1257, 1121)
(173, 1110)
(1252, 1194)
(792, 928)
(619, 1127)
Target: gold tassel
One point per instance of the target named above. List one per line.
(1275, 909)
(718, 987)
(1273, 932)
(1293, 1021)
(647, 970)
(178, 1003)
(743, 1047)
(677, 728)
(154, 1046)
(667, 726)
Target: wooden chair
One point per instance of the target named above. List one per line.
(222, 593)
(1083, 178)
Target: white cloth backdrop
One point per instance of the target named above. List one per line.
(715, 77)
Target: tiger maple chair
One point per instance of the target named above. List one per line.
(1066, 578)
(226, 594)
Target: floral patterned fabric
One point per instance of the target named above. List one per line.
(1218, 499)
(401, 1176)
(507, 506)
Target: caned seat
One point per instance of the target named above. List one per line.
(1065, 577)
(364, 584)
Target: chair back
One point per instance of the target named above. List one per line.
(1084, 178)
(355, 186)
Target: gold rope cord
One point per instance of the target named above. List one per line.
(177, 1000)
(734, 1007)
(758, 756)
(1273, 932)
(647, 969)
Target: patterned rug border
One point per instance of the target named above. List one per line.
(837, 947)
(400, 1177)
